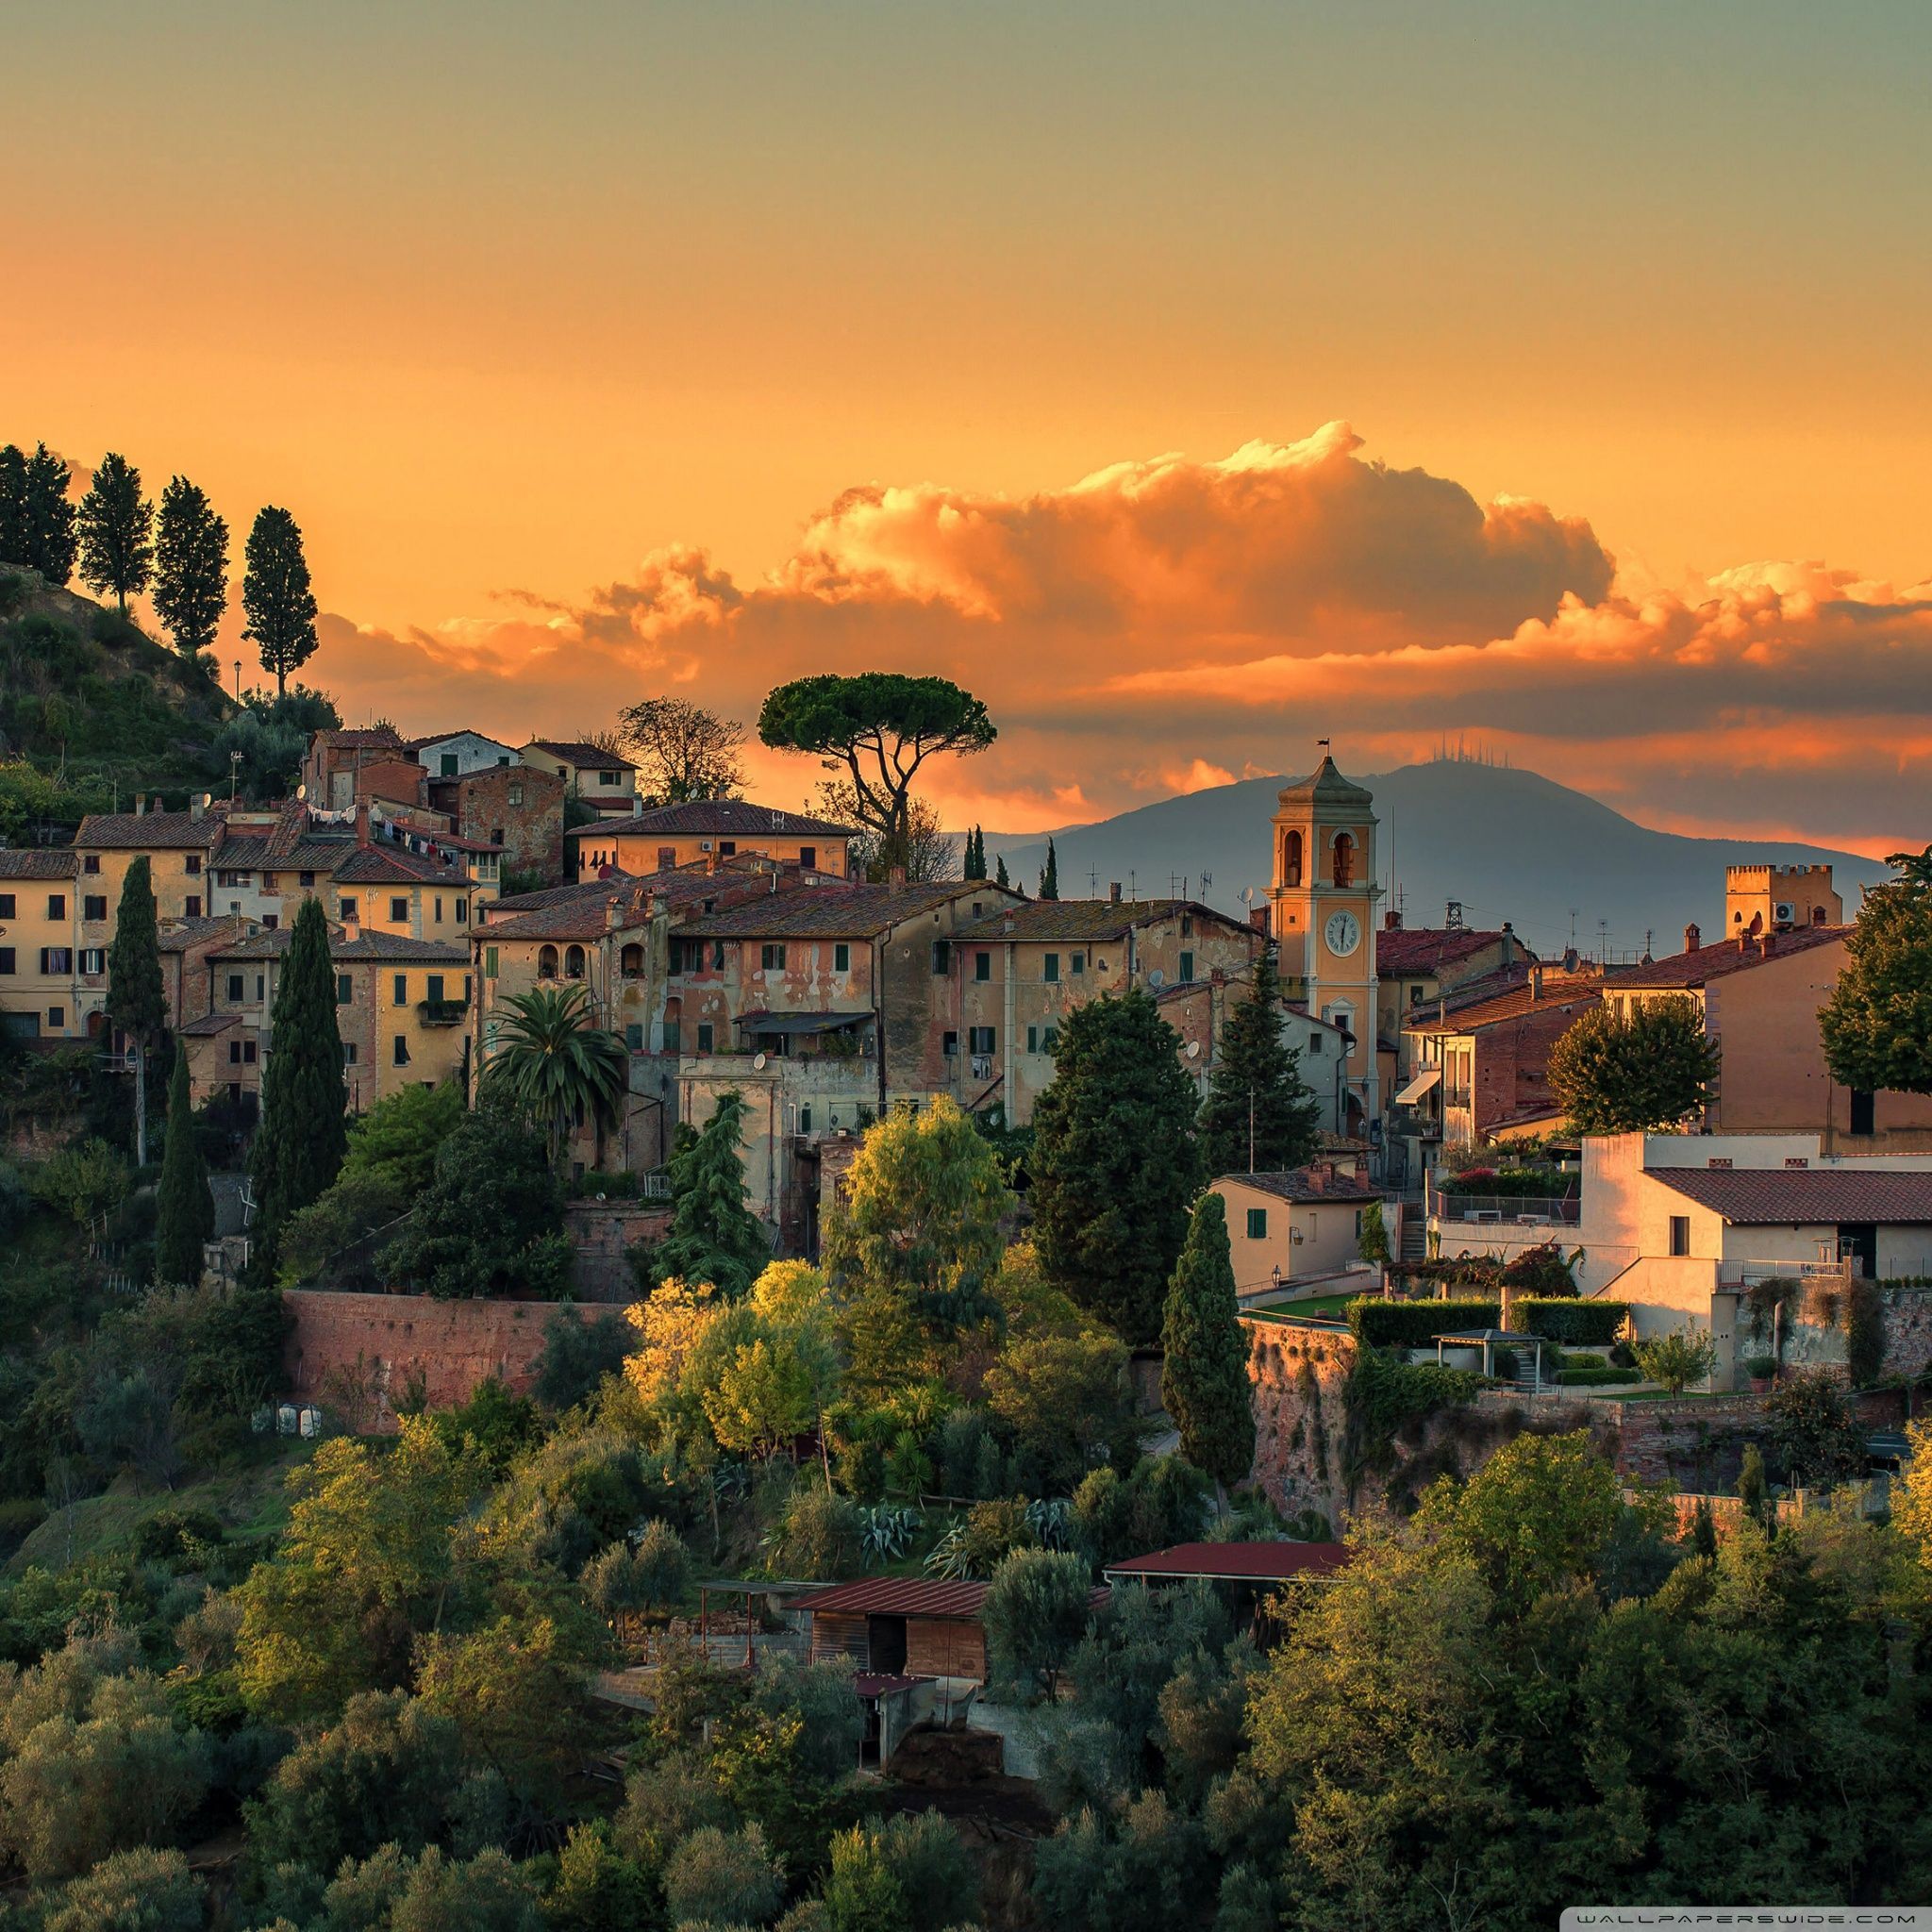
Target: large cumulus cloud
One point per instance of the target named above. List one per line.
(1163, 624)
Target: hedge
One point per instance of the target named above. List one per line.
(1415, 1324)
(1577, 1323)
(1601, 1378)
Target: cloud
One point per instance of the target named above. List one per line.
(1161, 624)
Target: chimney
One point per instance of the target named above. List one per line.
(1692, 938)
(1768, 945)
(614, 914)
(1570, 961)
(1508, 943)
(896, 878)
(363, 822)
(1391, 920)
(141, 805)
(1113, 892)
(1536, 982)
(197, 805)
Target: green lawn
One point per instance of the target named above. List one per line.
(1325, 1307)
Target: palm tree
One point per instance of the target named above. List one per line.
(555, 1064)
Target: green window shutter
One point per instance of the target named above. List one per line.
(1257, 1224)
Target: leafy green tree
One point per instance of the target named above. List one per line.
(1676, 1360)
(577, 1355)
(1753, 1490)
(1259, 1116)
(299, 1147)
(1159, 1503)
(1815, 1437)
(1050, 873)
(117, 549)
(82, 1182)
(141, 1891)
(880, 727)
(1066, 1401)
(1877, 1024)
(136, 1002)
(1143, 1869)
(13, 544)
(598, 1889)
(723, 1878)
(491, 1221)
(185, 1210)
(1372, 1245)
(1204, 1378)
(714, 1237)
(554, 1064)
(190, 566)
(1114, 1165)
(276, 597)
(49, 543)
(1036, 1613)
(685, 752)
(1615, 1073)
(399, 1137)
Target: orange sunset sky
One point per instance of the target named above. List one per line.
(1191, 381)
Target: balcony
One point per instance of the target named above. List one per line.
(1523, 1209)
(441, 1012)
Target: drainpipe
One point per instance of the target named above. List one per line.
(1010, 1006)
(878, 1014)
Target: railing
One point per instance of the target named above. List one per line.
(1561, 1212)
(441, 1012)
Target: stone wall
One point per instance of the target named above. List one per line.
(1907, 1331)
(358, 1354)
(601, 1235)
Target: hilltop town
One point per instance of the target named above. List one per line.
(629, 1350)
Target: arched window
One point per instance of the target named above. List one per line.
(546, 964)
(1291, 859)
(1344, 859)
(630, 962)
(574, 963)
(1818, 915)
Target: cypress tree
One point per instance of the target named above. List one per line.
(190, 566)
(117, 522)
(975, 867)
(136, 1002)
(1050, 873)
(1002, 879)
(299, 1145)
(276, 597)
(185, 1210)
(714, 1237)
(48, 518)
(1114, 1167)
(1255, 1064)
(1204, 1380)
(12, 504)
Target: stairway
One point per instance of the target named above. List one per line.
(1415, 1234)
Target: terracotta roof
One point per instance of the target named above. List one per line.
(834, 909)
(731, 818)
(599, 890)
(580, 753)
(271, 944)
(1560, 995)
(210, 1024)
(165, 831)
(1407, 950)
(1722, 958)
(1238, 1562)
(1085, 919)
(359, 739)
(904, 1596)
(389, 864)
(177, 935)
(585, 917)
(422, 738)
(1762, 1196)
(38, 862)
(1303, 1185)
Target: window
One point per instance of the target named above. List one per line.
(705, 1036)
(345, 989)
(630, 961)
(574, 962)
(94, 959)
(1680, 1233)
(942, 956)
(304, 878)
(1033, 1040)
(56, 960)
(981, 1039)
(1415, 994)
(230, 879)
(399, 912)
(546, 962)
(56, 1016)
(348, 1053)
(1344, 859)
(516, 797)
(1078, 964)
(726, 847)
(438, 910)
(234, 1053)
(1316, 1043)
(6, 906)
(399, 990)
(7, 965)
(634, 1036)
(805, 1119)
(432, 989)
(1257, 1224)
(842, 958)
(448, 762)
(1864, 1112)
(345, 906)
(772, 959)
(671, 1035)
(401, 1051)
(462, 912)
(1291, 859)
(808, 857)
(235, 986)
(192, 906)
(271, 920)
(610, 778)
(950, 1044)
(260, 983)
(94, 905)
(193, 867)
(489, 962)
(504, 760)
(717, 953)
(91, 863)
(1187, 925)
(982, 965)
(57, 904)
(1049, 1038)
(1187, 969)
(267, 882)
(1050, 969)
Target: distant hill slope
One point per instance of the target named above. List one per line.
(86, 693)
(1509, 844)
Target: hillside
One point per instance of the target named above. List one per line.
(1507, 844)
(86, 695)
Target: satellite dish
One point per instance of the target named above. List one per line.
(758, 1060)
(1193, 1049)
(1156, 976)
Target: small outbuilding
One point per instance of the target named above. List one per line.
(1246, 1574)
(1485, 1341)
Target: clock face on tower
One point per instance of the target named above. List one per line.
(1343, 934)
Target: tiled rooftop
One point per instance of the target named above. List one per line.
(728, 818)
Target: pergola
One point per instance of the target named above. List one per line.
(1489, 1340)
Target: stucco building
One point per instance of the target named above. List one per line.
(601, 779)
(708, 832)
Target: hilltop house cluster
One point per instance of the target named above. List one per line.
(731, 947)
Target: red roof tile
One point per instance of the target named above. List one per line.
(904, 1596)
(1238, 1562)
(1406, 950)
(1722, 958)
(1763, 1196)
(731, 818)
(574, 752)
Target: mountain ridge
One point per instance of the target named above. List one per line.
(1503, 841)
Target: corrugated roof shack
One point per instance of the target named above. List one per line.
(914, 1625)
(1247, 1574)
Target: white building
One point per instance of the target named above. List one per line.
(457, 753)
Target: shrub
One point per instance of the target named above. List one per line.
(143, 1891)
(723, 1879)
(1677, 1358)
(1036, 1611)
(1382, 1394)
(1415, 1324)
(1575, 1324)
(1520, 1183)
(1540, 1269)
(816, 1537)
(1601, 1376)
(577, 1355)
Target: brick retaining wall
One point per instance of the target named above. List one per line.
(356, 1354)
